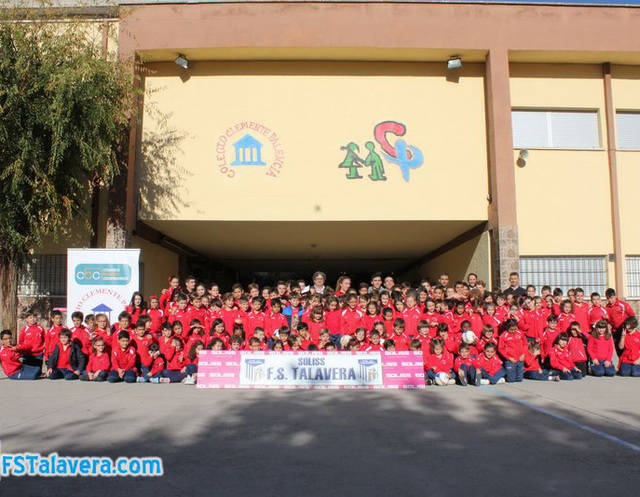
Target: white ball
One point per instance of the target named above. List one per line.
(442, 379)
(469, 337)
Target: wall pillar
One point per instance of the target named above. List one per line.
(503, 227)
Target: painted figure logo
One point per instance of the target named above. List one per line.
(406, 156)
(367, 370)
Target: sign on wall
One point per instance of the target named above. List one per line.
(394, 150)
(310, 369)
(101, 281)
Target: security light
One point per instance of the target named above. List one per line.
(454, 62)
(182, 61)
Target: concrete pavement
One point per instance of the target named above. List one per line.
(524, 439)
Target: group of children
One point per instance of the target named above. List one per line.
(466, 334)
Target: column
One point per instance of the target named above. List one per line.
(503, 227)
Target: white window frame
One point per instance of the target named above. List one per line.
(556, 263)
(548, 111)
(625, 111)
(632, 268)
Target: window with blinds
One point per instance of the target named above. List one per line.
(628, 130)
(588, 273)
(633, 277)
(44, 276)
(576, 130)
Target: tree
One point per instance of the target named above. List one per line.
(65, 109)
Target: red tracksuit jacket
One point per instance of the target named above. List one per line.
(577, 349)
(100, 362)
(600, 348)
(123, 359)
(491, 366)
(142, 348)
(512, 345)
(31, 340)
(618, 312)
(51, 339)
(10, 360)
(631, 351)
(157, 318)
(350, 320)
(442, 364)
(402, 341)
(561, 358)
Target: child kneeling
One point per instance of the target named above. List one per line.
(532, 368)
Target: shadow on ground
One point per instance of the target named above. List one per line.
(325, 443)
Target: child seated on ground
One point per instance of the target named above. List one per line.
(123, 361)
(11, 363)
(532, 368)
(176, 369)
(560, 358)
(438, 364)
(464, 366)
(67, 360)
(99, 362)
(489, 366)
(600, 349)
(630, 346)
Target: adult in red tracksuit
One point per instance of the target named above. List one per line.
(123, 361)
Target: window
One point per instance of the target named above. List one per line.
(633, 277)
(628, 130)
(576, 130)
(588, 273)
(44, 276)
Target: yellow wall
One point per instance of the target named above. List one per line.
(315, 108)
(564, 205)
(472, 256)
(626, 96)
(158, 262)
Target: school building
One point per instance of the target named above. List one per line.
(417, 137)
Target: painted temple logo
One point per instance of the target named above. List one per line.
(248, 144)
(407, 157)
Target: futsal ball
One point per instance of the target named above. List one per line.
(442, 379)
(469, 337)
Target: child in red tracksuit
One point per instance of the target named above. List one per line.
(123, 361)
(51, 335)
(464, 367)
(11, 363)
(99, 363)
(31, 342)
(630, 346)
(438, 364)
(512, 346)
(600, 348)
(176, 369)
(489, 366)
(191, 367)
(577, 348)
(532, 368)
(158, 364)
(560, 359)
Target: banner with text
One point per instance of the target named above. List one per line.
(101, 281)
(312, 369)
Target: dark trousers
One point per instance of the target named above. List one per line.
(27, 372)
(59, 373)
(32, 360)
(493, 378)
(515, 371)
(129, 376)
(192, 369)
(469, 373)
(536, 375)
(582, 366)
(102, 376)
(601, 370)
(173, 375)
(335, 339)
(629, 369)
(572, 375)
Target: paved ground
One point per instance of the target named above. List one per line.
(438, 442)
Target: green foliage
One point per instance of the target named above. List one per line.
(65, 107)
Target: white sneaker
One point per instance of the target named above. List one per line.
(484, 381)
(500, 381)
(451, 381)
(190, 380)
